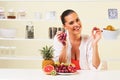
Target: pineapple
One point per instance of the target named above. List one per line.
(47, 54)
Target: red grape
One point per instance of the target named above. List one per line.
(95, 28)
(63, 68)
(62, 38)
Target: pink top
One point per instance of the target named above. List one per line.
(76, 63)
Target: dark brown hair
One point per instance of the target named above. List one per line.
(66, 13)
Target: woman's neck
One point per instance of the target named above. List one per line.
(75, 37)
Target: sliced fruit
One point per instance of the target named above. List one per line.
(48, 69)
(53, 72)
(73, 65)
(72, 68)
(57, 63)
(110, 27)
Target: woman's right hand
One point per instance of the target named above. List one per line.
(62, 37)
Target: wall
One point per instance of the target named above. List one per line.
(94, 13)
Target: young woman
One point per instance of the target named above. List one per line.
(72, 47)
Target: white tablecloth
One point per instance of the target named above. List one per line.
(36, 74)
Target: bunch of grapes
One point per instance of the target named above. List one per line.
(62, 38)
(65, 68)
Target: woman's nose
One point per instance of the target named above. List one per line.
(77, 24)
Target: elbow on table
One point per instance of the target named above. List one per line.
(102, 65)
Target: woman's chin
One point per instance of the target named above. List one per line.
(77, 31)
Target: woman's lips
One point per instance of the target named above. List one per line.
(76, 28)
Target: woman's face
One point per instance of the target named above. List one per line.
(73, 24)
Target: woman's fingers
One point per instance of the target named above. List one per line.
(96, 33)
(62, 37)
(96, 30)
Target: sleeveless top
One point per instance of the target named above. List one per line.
(76, 63)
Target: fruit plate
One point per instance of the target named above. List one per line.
(68, 73)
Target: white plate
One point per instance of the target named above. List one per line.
(67, 73)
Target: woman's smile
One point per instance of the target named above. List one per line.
(76, 28)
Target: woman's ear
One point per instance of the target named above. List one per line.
(64, 27)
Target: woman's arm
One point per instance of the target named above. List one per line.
(96, 33)
(63, 55)
(60, 53)
(95, 57)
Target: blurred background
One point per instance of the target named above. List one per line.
(18, 50)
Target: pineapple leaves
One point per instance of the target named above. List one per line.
(47, 52)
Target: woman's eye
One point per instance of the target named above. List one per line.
(77, 20)
(71, 23)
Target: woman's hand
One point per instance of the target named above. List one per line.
(96, 34)
(62, 37)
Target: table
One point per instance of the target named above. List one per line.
(37, 74)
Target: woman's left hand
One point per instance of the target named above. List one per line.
(96, 34)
